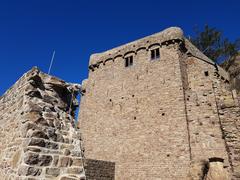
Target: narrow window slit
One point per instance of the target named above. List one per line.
(206, 73)
(155, 54)
(128, 61)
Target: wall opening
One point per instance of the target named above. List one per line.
(155, 54)
(206, 73)
(128, 61)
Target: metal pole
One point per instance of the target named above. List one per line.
(53, 55)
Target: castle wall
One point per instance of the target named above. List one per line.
(206, 136)
(135, 116)
(229, 114)
(10, 137)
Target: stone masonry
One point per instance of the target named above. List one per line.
(156, 108)
(160, 109)
(38, 138)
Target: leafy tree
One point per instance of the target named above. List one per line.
(212, 43)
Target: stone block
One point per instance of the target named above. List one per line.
(53, 171)
(37, 142)
(31, 158)
(36, 159)
(39, 134)
(65, 161)
(77, 162)
(45, 160)
(29, 171)
(55, 160)
(68, 178)
(76, 170)
(66, 152)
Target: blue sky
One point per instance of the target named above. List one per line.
(31, 30)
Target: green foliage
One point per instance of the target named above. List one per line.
(212, 43)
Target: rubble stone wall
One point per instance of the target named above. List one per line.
(38, 135)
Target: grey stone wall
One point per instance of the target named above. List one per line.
(99, 170)
(39, 139)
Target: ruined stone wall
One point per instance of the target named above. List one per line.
(38, 136)
(135, 116)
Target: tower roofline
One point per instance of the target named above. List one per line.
(163, 36)
(168, 36)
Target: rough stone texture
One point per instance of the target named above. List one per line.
(205, 133)
(38, 137)
(229, 115)
(233, 67)
(216, 172)
(175, 117)
(99, 170)
(160, 119)
(127, 119)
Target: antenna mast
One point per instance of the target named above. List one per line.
(53, 55)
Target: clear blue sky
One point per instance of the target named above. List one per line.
(31, 29)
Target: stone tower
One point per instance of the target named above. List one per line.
(160, 109)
